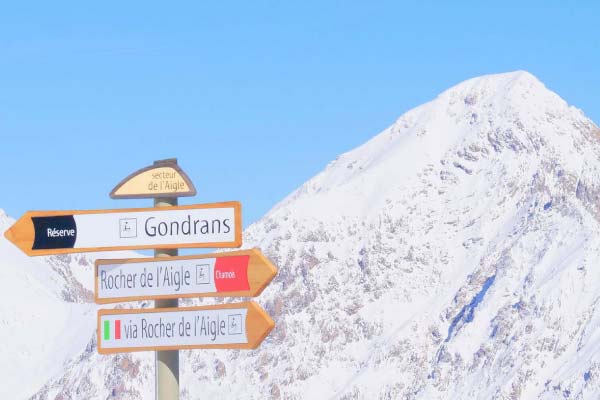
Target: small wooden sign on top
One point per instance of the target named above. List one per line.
(163, 178)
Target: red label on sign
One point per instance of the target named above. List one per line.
(231, 273)
(118, 329)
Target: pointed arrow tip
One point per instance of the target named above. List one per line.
(21, 234)
(268, 264)
(267, 269)
(261, 324)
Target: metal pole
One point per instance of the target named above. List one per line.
(167, 362)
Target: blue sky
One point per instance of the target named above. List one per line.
(253, 98)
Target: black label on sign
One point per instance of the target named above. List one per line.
(57, 232)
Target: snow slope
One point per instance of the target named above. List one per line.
(454, 255)
(47, 315)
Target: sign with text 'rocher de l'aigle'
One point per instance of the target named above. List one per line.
(243, 273)
(224, 326)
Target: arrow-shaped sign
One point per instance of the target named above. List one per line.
(239, 273)
(225, 326)
(58, 232)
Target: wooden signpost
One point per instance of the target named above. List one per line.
(166, 277)
(224, 326)
(58, 232)
(242, 273)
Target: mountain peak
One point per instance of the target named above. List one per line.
(511, 111)
(517, 89)
(506, 80)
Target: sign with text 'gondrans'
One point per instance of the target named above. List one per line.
(239, 273)
(226, 326)
(57, 232)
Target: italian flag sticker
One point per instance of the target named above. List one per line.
(116, 329)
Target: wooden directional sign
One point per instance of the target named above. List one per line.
(163, 179)
(225, 326)
(239, 273)
(58, 232)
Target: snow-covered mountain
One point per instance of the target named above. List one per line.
(453, 256)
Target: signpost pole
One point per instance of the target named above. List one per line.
(167, 362)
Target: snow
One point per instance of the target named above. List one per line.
(467, 313)
(41, 331)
